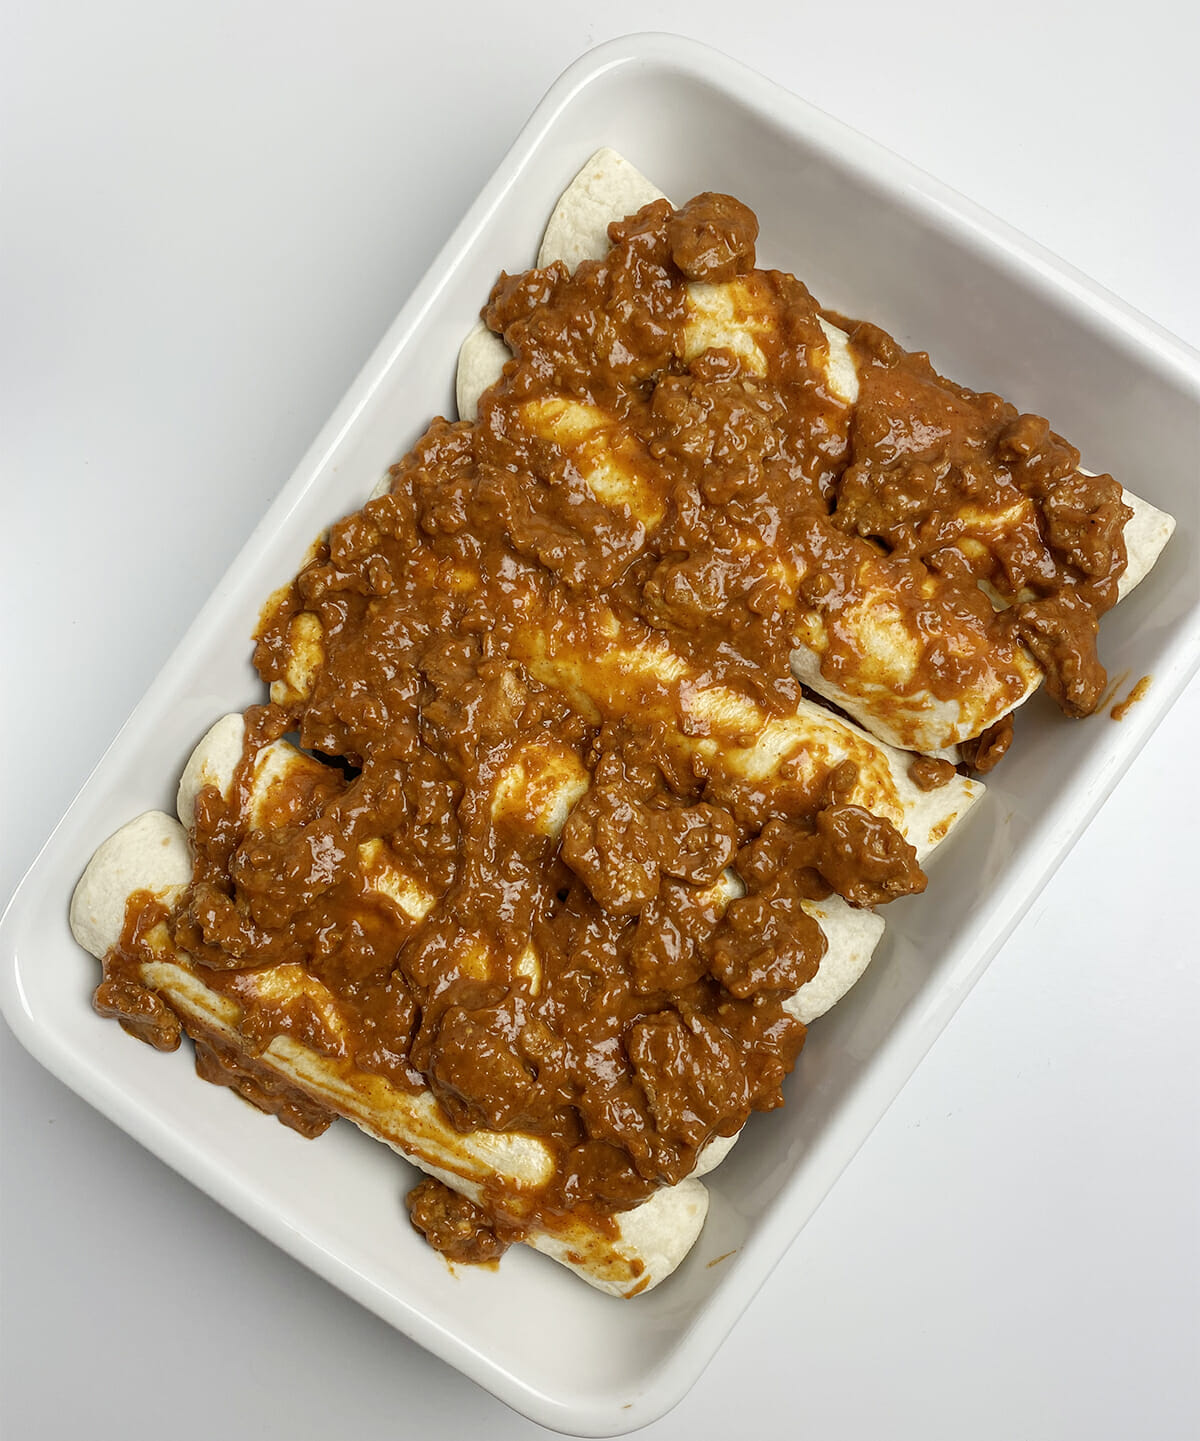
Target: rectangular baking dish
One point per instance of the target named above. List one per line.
(870, 236)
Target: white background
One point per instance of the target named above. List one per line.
(209, 214)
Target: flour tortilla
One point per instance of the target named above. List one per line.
(736, 739)
(212, 763)
(1146, 536)
(622, 670)
(925, 724)
(148, 854)
(481, 360)
(851, 937)
(152, 853)
(607, 189)
(933, 726)
(883, 785)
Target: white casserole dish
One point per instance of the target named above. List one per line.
(870, 237)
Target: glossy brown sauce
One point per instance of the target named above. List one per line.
(616, 499)
(1122, 708)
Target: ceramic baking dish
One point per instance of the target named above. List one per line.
(872, 237)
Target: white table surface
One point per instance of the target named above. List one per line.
(208, 215)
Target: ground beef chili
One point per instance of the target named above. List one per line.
(657, 1020)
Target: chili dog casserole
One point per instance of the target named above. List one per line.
(596, 740)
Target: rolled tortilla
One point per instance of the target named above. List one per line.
(631, 671)
(719, 315)
(152, 853)
(1146, 535)
(922, 722)
(607, 189)
(481, 360)
(851, 936)
(857, 933)
(149, 853)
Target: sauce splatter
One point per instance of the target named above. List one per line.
(1122, 708)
